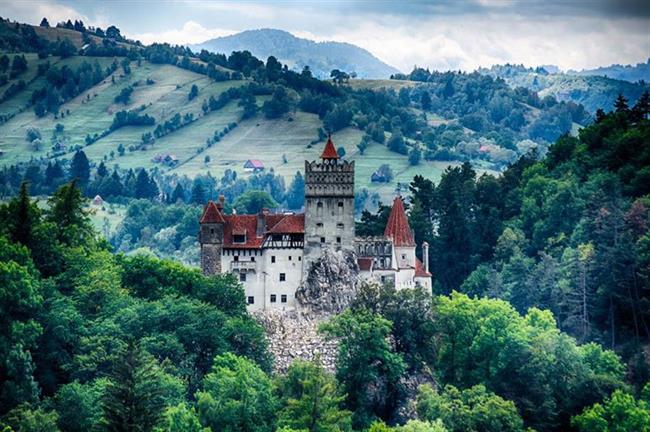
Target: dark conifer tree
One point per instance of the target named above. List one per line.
(133, 400)
(23, 214)
(198, 192)
(44, 23)
(178, 195)
(425, 100)
(145, 187)
(101, 170)
(621, 104)
(80, 167)
(68, 214)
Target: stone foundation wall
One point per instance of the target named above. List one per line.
(294, 336)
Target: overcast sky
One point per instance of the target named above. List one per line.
(573, 34)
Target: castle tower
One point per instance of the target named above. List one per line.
(211, 237)
(398, 230)
(329, 204)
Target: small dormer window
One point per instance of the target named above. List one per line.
(211, 230)
(239, 238)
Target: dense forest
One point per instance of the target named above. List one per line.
(535, 272)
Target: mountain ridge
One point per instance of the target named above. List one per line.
(298, 52)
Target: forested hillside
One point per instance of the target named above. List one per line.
(632, 73)
(592, 90)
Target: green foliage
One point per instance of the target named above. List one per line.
(619, 413)
(237, 396)
(28, 418)
(472, 409)
(253, 201)
(310, 400)
(181, 418)
(79, 405)
(134, 397)
(368, 368)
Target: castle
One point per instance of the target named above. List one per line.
(271, 254)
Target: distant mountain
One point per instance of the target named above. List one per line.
(296, 52)
(592, 92)
(631, 73)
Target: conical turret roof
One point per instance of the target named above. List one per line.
(211, 214)
(397, 227)
(329, 152)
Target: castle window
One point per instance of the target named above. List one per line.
(211, 230)
(299, 258)
(273, 298)
(242, 277)
(289, 257)
(338, 240)
(239, 238)
(322, 239)
(283, 298)
(319, 224)
(236, 258)
(340, 207)
(283, 277)
(252, 259)
(251, 300)
(276, 237)
(319, 209)
(403, 256)
(340, 225)
(272, 259)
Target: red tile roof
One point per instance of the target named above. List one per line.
(365, 263)
(329, 152)
(419, 269)
(397, 228)
(211, 214)
(254, 163)
(238, 225)
(247, 225)
(290, 224)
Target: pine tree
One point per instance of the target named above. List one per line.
(133, 400)
(642, 107)
(145, 187)
(44, 23)
(198, 192)
(23, 214)
(621, 104)
(178, 195)
(80, 167)
(101, 170)
(425, 101)
(68, 214)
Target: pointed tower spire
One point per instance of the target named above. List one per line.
(329, 152)
(397, 227)
(211, 214)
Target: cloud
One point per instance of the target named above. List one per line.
(33, 11)
(191, 33)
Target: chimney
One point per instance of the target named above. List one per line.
(261, 222)
(425, 255)
(222, 199)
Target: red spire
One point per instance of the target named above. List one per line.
(329, 152)
(397, 227)
(211, 214)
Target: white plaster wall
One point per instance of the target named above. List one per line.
(292, 268)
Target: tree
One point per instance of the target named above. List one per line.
(101, 170)
(621, 104)
(425, 101)
(296, 192)
(145, 187)
(249, 104)
(396, 143)
(253, 201)
(340, 151)
(621, 413)
(198, 192)
(80, 168)
(66, 211)
(369, 370)
(21, 216)
(178, 195)
(133, 400)
(279, 104)
(237, 397)
(363, 145)
(339, 77)
(194, 92)
(44, 23)
(310, 400)
(181, 418)
(472, 409)
(415, 155)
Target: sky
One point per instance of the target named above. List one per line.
(441, 35)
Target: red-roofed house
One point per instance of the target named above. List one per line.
(272, 253)
(253, 165)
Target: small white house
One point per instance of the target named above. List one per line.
(253, 165)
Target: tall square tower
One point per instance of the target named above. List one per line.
(329, 205)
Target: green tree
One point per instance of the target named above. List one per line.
(133, 400)
(425, 101)
(145, 187)
(80, 168)
(237, 396)
(253, 201)
(29, 418)
(198, 192)
(310, 400)
(194, 92)
(296, 192)
(369, 370)
(619, 413)
(79, 405)
(68, 214)
(178, 195)
(181, 418)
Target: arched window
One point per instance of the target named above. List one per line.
(319, 209)
(340, 207)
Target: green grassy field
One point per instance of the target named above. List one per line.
(281, 144)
